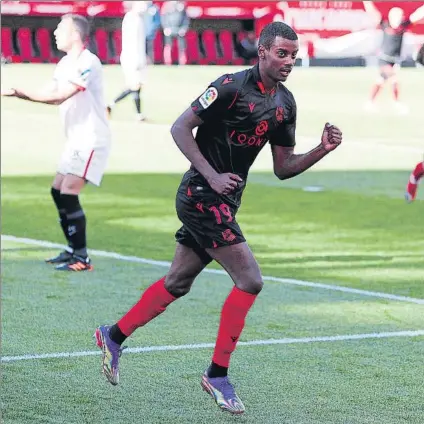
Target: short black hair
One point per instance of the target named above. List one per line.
(276, 29)
(81, 24)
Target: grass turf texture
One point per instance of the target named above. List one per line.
(357, 232)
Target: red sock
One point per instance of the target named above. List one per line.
(395, 88)
(153, 302)
(418, 172)
(414, 178)
(234, 311)
(375, 90)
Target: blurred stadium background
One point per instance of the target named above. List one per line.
(344, 224)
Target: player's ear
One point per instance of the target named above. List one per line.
(261, 52)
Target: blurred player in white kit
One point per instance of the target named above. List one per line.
(133, 55)
(77, 88)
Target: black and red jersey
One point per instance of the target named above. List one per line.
(239, 117)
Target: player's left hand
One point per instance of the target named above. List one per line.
(8, 92)
(331, 137)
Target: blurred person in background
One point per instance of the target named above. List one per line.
(419, 56)
(414, 179)
(175, 23)
(77, 88)
(418, 172)
(389, 57)
(248, 48)
(133, 55)
(152, 22)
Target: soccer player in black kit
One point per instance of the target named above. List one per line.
(394, 29)
(236, 116)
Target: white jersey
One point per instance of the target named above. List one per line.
(133, 40)
(84, 114)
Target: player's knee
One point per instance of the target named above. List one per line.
(380, 80)
(383, 77)
(72, 185)
(252, 285)
(178, 284)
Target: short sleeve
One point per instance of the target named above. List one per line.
(217, 99)
(285, 134)
(57, 75)
(83, 74)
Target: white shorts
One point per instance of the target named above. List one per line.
(134, 74)
(89, 164)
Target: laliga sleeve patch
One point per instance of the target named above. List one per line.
(208, 97)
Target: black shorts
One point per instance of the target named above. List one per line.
(208, 222)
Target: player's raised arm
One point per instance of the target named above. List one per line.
(210, 106)
(288, 165)
(370, 8)
(48, 95)
(417, 15)
(52, 94)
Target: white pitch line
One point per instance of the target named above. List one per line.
(414, 333)
(291, 281)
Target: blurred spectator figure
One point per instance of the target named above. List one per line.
(249, 47)
(133, 55)
(152, 23)
(175, 23)
(419, 56)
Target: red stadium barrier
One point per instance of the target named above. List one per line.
(24, 40)
(43, 40)
(158, 48)
(209, 44)
(117, 44)
(320, 19)
(101, 41)
(7, 50)
(229, 56)
(193, 50)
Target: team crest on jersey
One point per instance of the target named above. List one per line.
(208, 97)
(279, 114)
(261, 128)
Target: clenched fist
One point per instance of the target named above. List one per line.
(331, 137)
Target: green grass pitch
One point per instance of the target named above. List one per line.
(355, 232)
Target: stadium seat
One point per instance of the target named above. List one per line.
(7, 50)
(209, 45)
(117, 45)
(101, 41)
(43, 40)
(24, 38)
(229, 56)
(158, 48)
(193, 51)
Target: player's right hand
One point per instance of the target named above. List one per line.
(224, 183)
(8, 92)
